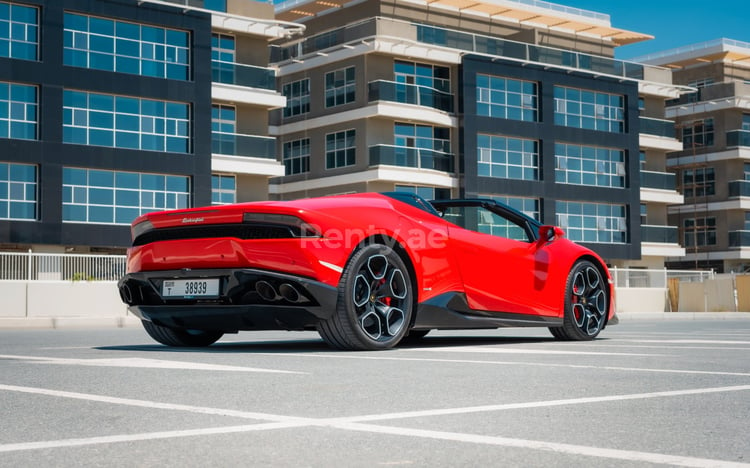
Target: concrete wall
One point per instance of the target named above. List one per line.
(638, 300)
(53, 299)
(716, 295)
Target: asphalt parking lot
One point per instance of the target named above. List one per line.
(648, 393)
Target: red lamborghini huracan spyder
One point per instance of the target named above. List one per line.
(364, 270)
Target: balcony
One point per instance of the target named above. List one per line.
(659, 234)
(251, 146)
(713, 92)
(658, 180)
(658, 127)
(739, 239)
(245, 154)
(403, 156)
(739, 188)
(239, 74)
(738, 138)
(359, 33)
(404, 93)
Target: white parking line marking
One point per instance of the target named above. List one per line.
(492, 350)
(720, 348)
(730, 342)
(143, 363)
(150, 404)
(354, 424)
(543, 404)
(511, 363)
(65, 443)
(616, 454)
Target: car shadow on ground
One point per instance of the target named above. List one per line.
(316, 345)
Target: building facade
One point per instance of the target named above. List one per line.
(127, 106)
(494, 99)
(713, 164)
(112, 109)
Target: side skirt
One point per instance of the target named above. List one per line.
(452, 311)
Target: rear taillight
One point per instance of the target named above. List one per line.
(297, 226)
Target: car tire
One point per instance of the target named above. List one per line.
(375, 302)
(586, 304)
(179, 337)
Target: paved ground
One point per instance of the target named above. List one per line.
(666, 392)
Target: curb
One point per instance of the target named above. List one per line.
(42, 323)
(636, 316)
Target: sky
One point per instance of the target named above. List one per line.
(673, 23)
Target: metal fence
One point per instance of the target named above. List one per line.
(654, 278)
(29, 266)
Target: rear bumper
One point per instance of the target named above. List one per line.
(239, 304)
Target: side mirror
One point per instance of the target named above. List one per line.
(550, 233)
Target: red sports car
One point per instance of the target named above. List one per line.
(364, 270)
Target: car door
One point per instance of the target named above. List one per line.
(502, 264)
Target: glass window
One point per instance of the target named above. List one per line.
(18, 191)
(527, 206)
(745, 121)
(481, 219)
(428, 193)
(19, 31)
(223, 50)
(593, 222)
(340, 149)
(297, 156)
(591, 110)
(697, 133)
(423, 74)
(507, 158)
(699, 182)
(108, 197)
(699, 231)
(297, 97)
(340, 86)
(223, 189)
(18, 111)
(506, 98)
(589, 165)
(216, 5)
(125, 122)
(118, 46)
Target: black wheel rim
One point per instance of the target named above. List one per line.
(588, 300)
(380, 298)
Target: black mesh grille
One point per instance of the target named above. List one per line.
(209, 231)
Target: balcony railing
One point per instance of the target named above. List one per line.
(405, 156)
(658, 127)
(738, 138)
(713, 92)
(468, 42)
(382, 90)
(739, 188)
(243, 75)
(659, 234)
(234, 144)
(739, 238)
(658, 180)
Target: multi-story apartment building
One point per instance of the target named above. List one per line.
(515, 100)
(713, 164)
(119, 107)
(109, 109)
